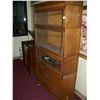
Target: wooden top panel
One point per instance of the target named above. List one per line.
(77, 3)
(55, 5)
(48, 3)
(49, 6)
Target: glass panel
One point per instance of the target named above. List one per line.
(52, 62)
(49, 18)
(50, 40)
(48, 60)
(19, 18)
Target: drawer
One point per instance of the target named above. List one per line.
(40, 69)
(49, 77)
(55, 82)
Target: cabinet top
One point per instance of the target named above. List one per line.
(55, 5)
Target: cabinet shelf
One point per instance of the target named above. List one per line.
(50, 27)
(53, 49)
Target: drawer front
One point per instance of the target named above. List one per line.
(49, 78)
(40, 69)
(55, 82)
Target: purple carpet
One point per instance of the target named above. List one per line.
(25, 86)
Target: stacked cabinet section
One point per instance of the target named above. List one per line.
(57, 37)
(49, 29)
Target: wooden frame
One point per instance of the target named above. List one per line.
(20, 18)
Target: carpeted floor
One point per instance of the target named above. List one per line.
(25, 86)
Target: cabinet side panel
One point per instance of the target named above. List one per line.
(69, 86)
(73, 16)
(70, 65)
(32, 60)
(71, 42)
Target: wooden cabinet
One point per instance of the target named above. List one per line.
(57, 41)
(28, 48)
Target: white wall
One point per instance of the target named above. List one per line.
(30, 14)
(17, 40)
(17, 44)
(30, 17)
(81, 81)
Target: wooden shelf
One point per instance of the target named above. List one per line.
(50, 27)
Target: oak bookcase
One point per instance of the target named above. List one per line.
(57, 43)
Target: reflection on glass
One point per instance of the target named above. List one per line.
(24, 19)
(49, 18)
(50, 40)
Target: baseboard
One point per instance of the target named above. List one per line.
(80, 95)
(18, 57)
